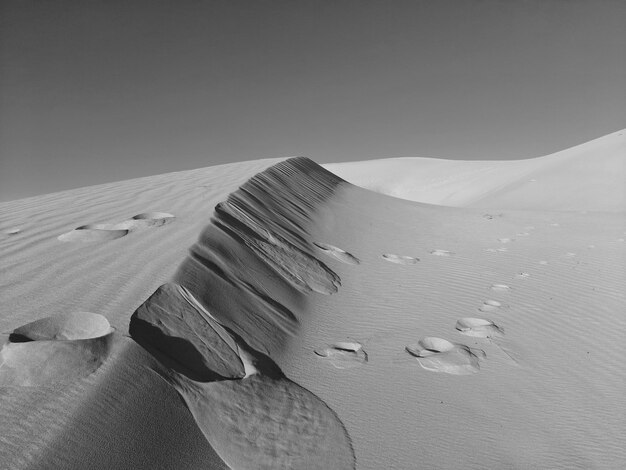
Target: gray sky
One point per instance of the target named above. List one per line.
(96, 91)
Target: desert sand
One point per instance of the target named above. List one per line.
(274, 314)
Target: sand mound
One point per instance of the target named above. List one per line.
(66, 326)
(56, 349)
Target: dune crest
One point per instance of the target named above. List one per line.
(257, 248)
(257, 255)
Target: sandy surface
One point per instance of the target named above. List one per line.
(310, 323)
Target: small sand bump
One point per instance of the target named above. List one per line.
(500, 287)
(502, 249)
(620, 239)
(441, 253)
(555, 224)
(478, 327)
(12, 231)
(522, 234)
(440, 355)
(529, 227)
(522, 275)
(505, 240)
(344, 354)
(543, 263)
(398, 259)
(569, 254)
(338, 253)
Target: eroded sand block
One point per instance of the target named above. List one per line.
(182, 335)
(55, 349)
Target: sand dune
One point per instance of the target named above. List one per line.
(315, 324)
(590, 176)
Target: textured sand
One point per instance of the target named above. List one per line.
(370, 331)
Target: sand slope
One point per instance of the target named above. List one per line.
(407, 335)
(590, 176)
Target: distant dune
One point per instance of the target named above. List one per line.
(271, 315)
(591, 176)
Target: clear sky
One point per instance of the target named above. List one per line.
(94, 91)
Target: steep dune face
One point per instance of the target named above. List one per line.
(315, 324)
(590, 176)
(258, 251)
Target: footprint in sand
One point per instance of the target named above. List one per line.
(12, 231)
(440, 355)
(146, 219)
(397, 259)
(500, 287)
(344, 354)
(441, 253)
(478, 327)
(338, 253)
(491, 306)
(497, 250)
(92, 233)
(104, 232)
(56, 349)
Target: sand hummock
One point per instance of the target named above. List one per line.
(281, 317)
